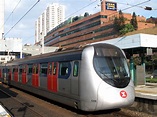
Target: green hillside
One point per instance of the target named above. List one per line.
(145, 31)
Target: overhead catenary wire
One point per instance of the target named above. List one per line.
(21, 18)
(129, 8)
(143, 7)
(11, 13)
(81, 9)
(128, 4)
(136, 5)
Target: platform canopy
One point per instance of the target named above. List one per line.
(134, 41)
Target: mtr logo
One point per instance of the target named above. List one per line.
(123, 94)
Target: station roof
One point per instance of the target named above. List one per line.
(134, 41)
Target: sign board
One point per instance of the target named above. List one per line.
(111, 6)
(149, 51)
(140, 75)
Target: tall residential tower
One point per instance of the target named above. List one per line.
(49, 19)
(1, 18)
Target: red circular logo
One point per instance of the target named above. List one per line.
(123, 94)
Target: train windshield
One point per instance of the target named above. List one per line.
(111, 65)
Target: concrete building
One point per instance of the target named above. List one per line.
(10, 48)
(86, 29)
(32, 50)
(50, 18)
(1, 19)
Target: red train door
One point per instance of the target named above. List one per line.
(52, 76)
(35, 75)
(15, 72)
(24, 74)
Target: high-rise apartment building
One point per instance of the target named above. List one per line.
(1, 18)
(49, 19)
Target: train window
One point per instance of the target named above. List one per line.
(43, 68)
(9, 69)
(20, 69)
(35, 69)
(15, 69)
(50, 68)
(24, 69)
(111, 66)
(64, 70)
(54, 68)
(108, 52)
(75, 68)
(29, 69)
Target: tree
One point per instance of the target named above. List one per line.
(75, 18)
(134, 21)
(121, 19)
(127, 28)
(86, 14)
(119, 22)
(116, 23)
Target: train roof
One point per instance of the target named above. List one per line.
(60, 51)
(72, 51)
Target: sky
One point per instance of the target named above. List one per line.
(19, 25)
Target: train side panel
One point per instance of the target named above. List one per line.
(59, 84)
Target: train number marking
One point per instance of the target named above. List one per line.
(123, 94)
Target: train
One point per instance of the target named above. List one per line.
(89, 78)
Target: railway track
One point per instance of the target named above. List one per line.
(16, 108)
(23, 104)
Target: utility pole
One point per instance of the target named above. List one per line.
(42, 43)
(1, 19)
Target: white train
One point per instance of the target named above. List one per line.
(91, 78)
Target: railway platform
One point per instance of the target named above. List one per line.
(146, 98)
(148, 91)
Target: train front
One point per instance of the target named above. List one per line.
(116, 89)
(107, 77)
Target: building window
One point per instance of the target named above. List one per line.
(103, 16)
